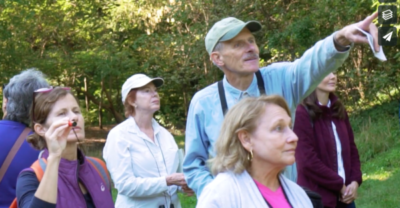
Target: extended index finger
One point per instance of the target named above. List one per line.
(371, 18)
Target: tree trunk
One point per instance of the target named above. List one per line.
(117, 116)
(358, 65)
(100, 106)
(86, 97)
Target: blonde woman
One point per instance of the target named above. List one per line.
(256, 143)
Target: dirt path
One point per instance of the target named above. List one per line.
(95, 134)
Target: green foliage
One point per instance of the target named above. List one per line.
(376, 129)
(381, 177)
(105, 42)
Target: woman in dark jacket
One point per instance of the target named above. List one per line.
(327, 157)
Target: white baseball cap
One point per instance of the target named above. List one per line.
(137, 81)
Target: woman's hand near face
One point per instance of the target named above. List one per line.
(56, 137)
(176, 179)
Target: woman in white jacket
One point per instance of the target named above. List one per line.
(141, 155)
(255, 144)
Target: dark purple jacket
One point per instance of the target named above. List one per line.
(69, 194)
(316, 153)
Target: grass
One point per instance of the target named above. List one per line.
(376, 133)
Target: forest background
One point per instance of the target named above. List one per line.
(93, 46)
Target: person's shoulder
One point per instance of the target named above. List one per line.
(119, 129)
(223, 181)
(122, 126)
(292, 185)
(27, 176)
(301, 109)
(205, 94)
(277, 66)
(222, 190)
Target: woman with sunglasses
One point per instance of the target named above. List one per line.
(141, 155)
(69, 179)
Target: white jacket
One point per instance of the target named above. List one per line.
(137, 165)
(229, 190)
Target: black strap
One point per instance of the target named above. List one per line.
(309, 116)
(221, 91)
(222, 97)
(260, 83)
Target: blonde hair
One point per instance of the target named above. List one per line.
(231, 155)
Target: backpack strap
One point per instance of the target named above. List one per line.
(11, 154)
(221, 91)
(38, 167)
(39, 171)
(101, 169)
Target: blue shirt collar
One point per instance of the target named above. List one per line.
(252, 90)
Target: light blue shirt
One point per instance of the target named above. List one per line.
(292, 80)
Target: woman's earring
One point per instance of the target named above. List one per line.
(250, 156)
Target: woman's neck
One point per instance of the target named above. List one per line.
(266, 175)
(143, 120)
(70, 152)
(322, 96)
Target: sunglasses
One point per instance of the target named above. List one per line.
(43, 90)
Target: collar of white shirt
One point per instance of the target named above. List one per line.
(327, 105)
(134, 128)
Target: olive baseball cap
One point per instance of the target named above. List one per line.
(227, 29)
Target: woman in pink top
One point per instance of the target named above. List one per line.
(255, 145)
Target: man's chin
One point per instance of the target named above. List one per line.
(252, 69)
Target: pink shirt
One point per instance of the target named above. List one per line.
(275, 199)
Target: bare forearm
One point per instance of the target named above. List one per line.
(47, 190)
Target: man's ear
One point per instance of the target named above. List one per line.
(40, 129)
(216, 58)
(245, 139)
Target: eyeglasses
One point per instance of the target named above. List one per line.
(43, 90)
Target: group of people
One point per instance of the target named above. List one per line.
(246, 144)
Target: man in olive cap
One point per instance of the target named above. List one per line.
(233, 49)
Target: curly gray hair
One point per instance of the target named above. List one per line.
(19, 94)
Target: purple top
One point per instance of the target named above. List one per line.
(28, 184)
(69, 193)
